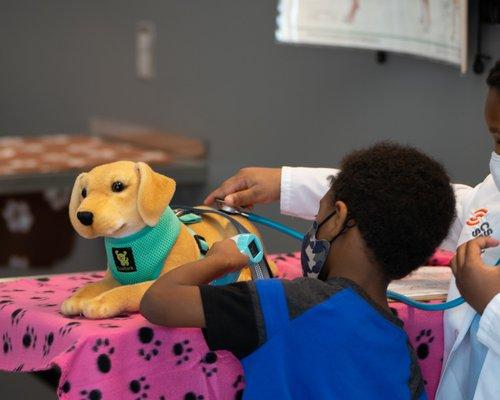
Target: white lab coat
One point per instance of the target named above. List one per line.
(301, 190)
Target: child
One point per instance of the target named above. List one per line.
(332, 337)
(472, 331)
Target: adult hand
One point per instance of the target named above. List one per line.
(477, 282)
(248, 187)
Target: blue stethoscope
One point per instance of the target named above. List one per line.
(299, 236)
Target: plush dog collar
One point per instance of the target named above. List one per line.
(140, 256)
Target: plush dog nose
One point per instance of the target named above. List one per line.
(85, 217)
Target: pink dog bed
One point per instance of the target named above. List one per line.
(128, 358)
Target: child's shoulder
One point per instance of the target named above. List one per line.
(302, 294)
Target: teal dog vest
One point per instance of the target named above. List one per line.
(140, 257)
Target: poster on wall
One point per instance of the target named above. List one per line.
(436, 29)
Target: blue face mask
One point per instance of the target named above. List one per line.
(314, 251)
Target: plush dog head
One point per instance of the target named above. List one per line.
(118, 199)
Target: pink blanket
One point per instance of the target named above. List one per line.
(128, 358)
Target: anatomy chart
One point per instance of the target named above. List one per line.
(436, 29)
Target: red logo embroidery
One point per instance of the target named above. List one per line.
(476, 216)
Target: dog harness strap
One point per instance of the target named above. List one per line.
(191, 218)
(140, 257)
(200, 242)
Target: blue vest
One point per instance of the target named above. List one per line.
(339, 349)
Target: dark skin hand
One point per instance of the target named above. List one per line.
(477, 282)
(175, 300)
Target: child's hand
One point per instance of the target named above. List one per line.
(478, 282)
(228, 254)
(248, 187)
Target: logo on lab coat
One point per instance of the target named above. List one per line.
(476, 217)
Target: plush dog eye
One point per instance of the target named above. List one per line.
(84, 192)
(117, 186)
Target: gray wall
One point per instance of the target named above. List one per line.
(222, 77)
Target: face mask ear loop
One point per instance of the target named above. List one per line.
(326, 219)
(344, 229)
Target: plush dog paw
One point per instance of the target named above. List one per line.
(100, 307)
(71, 306)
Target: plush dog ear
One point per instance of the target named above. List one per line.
(76, 193)
(154, 194)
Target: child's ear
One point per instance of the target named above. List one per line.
(154, 193)
(340, 217)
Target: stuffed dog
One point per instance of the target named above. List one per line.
(127, 203)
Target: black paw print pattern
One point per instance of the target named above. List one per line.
(47, 305)
(78, 278)
(238, 386)
(109, 325)
(47, 346)
(146, 336)
(208, 362)
(7, 343)
(16, 316)
(39, 298)
(64, 330)
(423, 340)
(19, 368)
(5, 303)
(29, 338)
(139, 387)
(181, 350)
(103, 360)
(193, 396)
(94, 394)
(71, 348)
(64, 388)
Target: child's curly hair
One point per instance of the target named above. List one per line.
(401, 200)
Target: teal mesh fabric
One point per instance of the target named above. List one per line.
(140, 256)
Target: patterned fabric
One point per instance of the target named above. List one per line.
(126, 357)
(30, 224)
(314, 252)
(55, 153)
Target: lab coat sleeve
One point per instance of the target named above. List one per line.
(463, 197)
(489, 326)
(302, 189)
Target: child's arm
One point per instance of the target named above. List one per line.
(175, 300)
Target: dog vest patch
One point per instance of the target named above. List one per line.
(124, 259)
